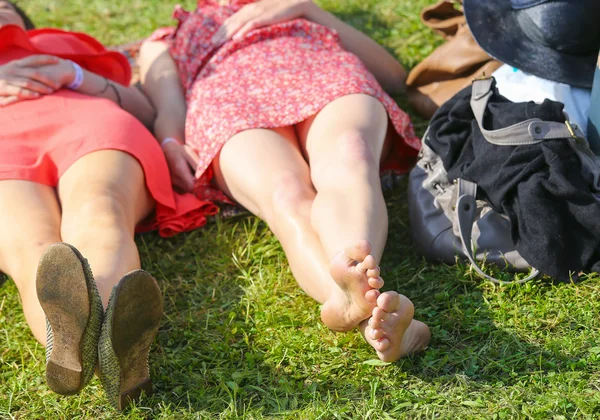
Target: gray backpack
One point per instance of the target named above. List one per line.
(448, 221)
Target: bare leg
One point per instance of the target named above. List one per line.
(29, 222)
(344, 144)
(103, 197)
(264, 171)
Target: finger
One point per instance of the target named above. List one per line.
(219, 36)
(179, 185)
(37, 60)
(16, 84)
(189, 180)
(7, 100)
(191, 157)
(185, 176)
(232, 25)
(40, 75)
(18, 91)
(183, 160)
(226, 31)
(253, 24)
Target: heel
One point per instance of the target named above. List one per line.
(134, 394)
(63, 380)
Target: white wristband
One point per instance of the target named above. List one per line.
(78, 80)
(168, 140)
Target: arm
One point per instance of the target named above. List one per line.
(386, 69)
(381, 64)
(39, 75)
(160, 81)
(129, 98)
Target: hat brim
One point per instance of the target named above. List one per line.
(495, 28)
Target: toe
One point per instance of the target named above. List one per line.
(379, 313)
(375, 323)
(382, 344)
(368, 263)
(376, 334)
(375, 283)
(372, 295)
(358, 251)
(374, 272)
(389, 301)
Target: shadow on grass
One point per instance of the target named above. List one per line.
(239, 336)
(466, 341)
(224, 346)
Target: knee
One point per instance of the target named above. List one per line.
(291, 194)
(350, 156)
(355, 148)
(19, 258)
(100, 210)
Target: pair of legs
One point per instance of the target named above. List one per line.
(317, 186)
(96, 206)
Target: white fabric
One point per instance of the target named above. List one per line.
(518, 86)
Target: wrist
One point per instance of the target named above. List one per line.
(169, 140)
(74, 77)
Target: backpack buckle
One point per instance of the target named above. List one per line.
(578, 139)
(570, 128)
(482, 77)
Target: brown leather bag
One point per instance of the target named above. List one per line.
(452, 66)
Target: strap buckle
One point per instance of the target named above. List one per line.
(482, 77)
(578, 139)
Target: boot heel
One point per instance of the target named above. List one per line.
(134, 394)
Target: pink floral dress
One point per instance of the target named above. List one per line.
(275, 76)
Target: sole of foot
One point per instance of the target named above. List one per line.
(68, 295)
(392, 331)
(356, 273)
(131, 322)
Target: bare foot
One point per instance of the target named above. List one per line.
(357, 274)
(392, 331)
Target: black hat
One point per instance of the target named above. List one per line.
(558, 40)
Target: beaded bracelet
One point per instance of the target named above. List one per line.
(78, 80)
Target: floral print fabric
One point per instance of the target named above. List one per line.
(275, 76)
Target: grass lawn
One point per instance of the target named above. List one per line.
(240, 340)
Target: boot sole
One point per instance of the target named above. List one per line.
(131, 323)
(63, 281)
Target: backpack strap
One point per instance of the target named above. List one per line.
(466, 206)
(531, 131)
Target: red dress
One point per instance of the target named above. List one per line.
(274, 76)
(40, 139)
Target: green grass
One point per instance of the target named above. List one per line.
(240, 340)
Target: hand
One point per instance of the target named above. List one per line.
(256, 15)
(32, 77)
(61, 73)
(182, 161)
